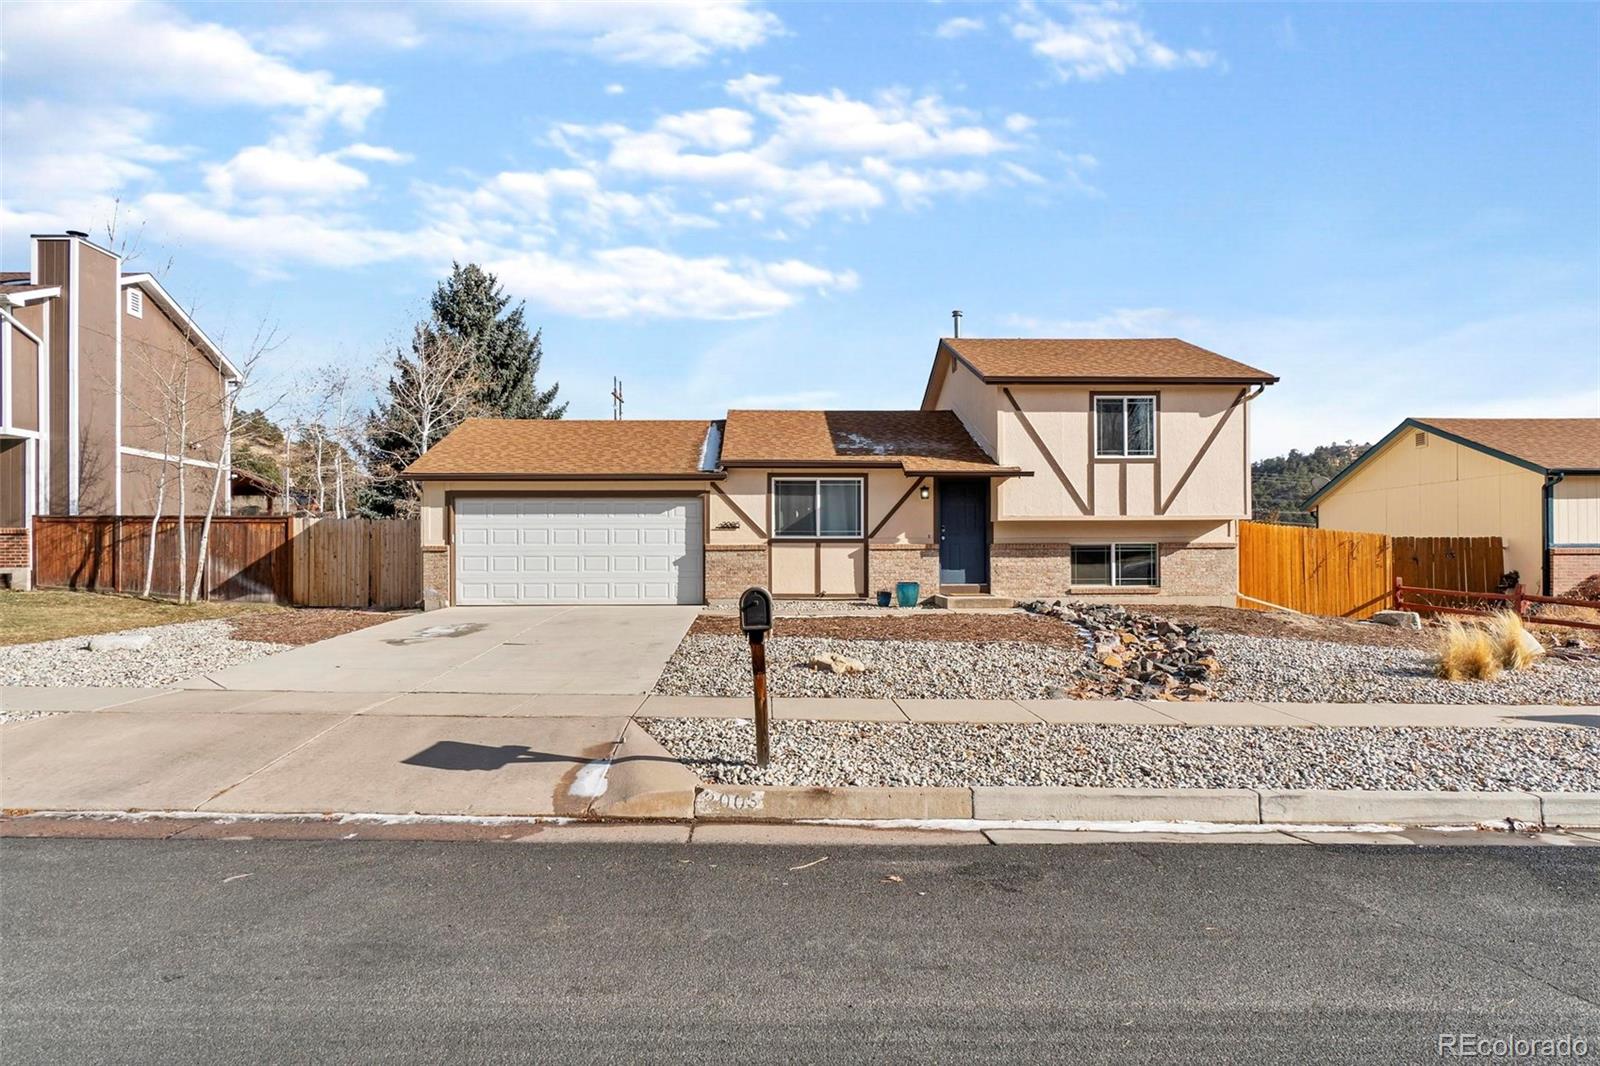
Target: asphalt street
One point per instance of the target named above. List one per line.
(135, 951)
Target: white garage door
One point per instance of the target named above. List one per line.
(572, 549)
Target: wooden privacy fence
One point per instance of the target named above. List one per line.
(1347, 574)
(248, 558)
(356, 562)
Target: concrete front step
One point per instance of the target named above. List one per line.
(972, 601)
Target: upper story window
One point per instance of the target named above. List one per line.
(1124, 427)
(817, 508)
(136, 303)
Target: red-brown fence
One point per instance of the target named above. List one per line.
(1525, 605)
(247, 558)
(271, 559)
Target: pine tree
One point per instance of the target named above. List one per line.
(471, 306)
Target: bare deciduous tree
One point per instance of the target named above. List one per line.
(432, 388)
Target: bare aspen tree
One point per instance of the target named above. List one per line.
(432, 388)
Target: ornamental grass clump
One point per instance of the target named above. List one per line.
(1511, 640)
(1466, 653)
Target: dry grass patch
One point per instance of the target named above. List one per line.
(30, 617)
(1480, 651)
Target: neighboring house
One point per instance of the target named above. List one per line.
(92, 362)
(1532, 482)
(1034, 468)
(252, 494)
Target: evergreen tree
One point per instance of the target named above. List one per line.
(471, 306)
(1281, 484)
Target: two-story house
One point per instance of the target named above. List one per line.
(1111, 468)
(1032, 468)
(106, 386)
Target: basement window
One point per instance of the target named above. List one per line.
(136, 303)
(816, 508)
(1115, 565)
(1124, 427)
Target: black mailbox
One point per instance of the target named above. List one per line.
(755, 610)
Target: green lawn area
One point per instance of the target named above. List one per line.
(26, 617)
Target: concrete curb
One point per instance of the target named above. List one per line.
(1404, 808)
(749, 803)
(1117, 804)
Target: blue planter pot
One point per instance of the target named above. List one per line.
(885, 598)
(909, 593)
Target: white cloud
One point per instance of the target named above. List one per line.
(665, 33)
(1093, 40)
(1018, 123)
(960, 26)
(616, 89)
(110, 50)
(62, 156)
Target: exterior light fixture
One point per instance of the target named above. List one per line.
(925, 492)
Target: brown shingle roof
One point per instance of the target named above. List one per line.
(567, 448)
(1062, 359)
(1553, 443)
(920, 442)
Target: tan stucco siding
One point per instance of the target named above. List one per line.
(141, 483)
(1575, 511)
(1199, 469)
(1110, 531)
(976, 404)
(432, 511)
(1443, 489)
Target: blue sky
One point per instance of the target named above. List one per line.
(1395, 208)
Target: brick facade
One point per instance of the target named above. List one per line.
(887, 565)
(16, 558)
(732, 568)
(1188, 572)
(435, 576)
(1568, 566)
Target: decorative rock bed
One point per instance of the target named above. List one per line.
(1142, 656)
(174, 653)
(842, 754)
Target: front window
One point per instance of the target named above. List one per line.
(1116, 565)
(1124, 427)
(817, 508)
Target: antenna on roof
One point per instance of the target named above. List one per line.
(955, 319)
(616, 399)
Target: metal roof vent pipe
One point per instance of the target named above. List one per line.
(955, 321)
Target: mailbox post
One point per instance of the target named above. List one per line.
(755, 618)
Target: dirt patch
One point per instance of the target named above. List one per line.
(973, 627)
(305, 625)
(1296, 626)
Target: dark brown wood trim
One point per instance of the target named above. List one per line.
(1122, 489)
(751, 522)
(1194, 463)
(663, 494)
(895, 509)
(1055, 467)
(1131, 383)
(816, 566)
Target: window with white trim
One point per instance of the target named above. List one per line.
(136, 303)
(1116, 565)
(816, 508)
(1124, 427)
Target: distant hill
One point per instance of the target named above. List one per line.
(1282, 483)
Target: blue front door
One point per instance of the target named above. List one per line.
(963, 531)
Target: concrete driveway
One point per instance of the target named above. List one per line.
(559, 650)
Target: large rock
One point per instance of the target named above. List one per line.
(837, 664)
(120, 642)
(1402, 619)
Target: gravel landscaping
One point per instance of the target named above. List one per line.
(840, 754)
(1275, 669)
(175, 653)
(720, 666)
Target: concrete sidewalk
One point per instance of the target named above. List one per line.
(619, 705)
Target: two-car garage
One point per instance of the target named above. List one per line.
(533, 549)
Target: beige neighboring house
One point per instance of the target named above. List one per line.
(1532, 482)
(84, 351)
(1114, 468)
